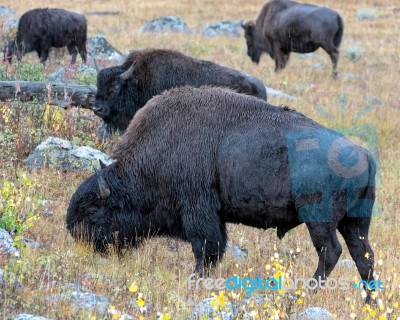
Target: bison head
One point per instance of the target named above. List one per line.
(249, 35)
(256, 43)
(113, 101)
(9, 51)
(97, 214)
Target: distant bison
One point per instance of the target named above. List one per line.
(285, 26)
(122, 90)
(40, 29)
(194, 159)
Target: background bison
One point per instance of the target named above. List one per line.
(285, 26)
(40, 29)
(195, 159)
(122, 90)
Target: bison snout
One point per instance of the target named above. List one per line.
(100, 111)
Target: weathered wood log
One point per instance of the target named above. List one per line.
(59, 94)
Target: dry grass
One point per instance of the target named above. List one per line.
(160, 272)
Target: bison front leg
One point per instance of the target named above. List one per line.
(208, 238)
(44, 52)
(280, 57)
(324, 238)
(73, 52)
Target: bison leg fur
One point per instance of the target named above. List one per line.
(355, 233)
(73, 52)
(334, 55)
(324, 238)
(208, 239)
(82, 50)
(280, 58)
(44, 53)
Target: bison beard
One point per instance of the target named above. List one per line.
(122, 90)
(40, 29)
(194, 159)
(285, 26)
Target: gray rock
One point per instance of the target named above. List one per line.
(25, 316)
(99, 48)
(307, 55)
(238, 253)
(32, 244)
(69, 74)
(5, 11)
(10, 279)
(62, 155)
(346, 263)
(353, 53)
(315, 313)
(367, 14)
(83, 300)
(224, 28)
(318, 65)
(204, 309)
(10, 28)
(170, 23)
(350, 76)
(278, 94)
(45, 208)
(6, 243)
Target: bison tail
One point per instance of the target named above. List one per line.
(367, 195)
(339, 33)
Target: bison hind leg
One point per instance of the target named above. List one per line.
(355, 233)
(324, 238)
(333, 53)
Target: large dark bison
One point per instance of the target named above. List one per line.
(285, 26)
(40, 29)
(122, 90)
(194, 159)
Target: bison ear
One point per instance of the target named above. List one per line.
(103, 187)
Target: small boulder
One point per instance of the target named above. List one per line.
(224, 28)
(103, 52)
(5, 11)
(25, 316)
(9, 28)
(315, 313)
(170, 23)
(204, 310)
(62, 155)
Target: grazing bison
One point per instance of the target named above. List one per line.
(194, 159)
(285, 26)
(40, 29)
(122, 90)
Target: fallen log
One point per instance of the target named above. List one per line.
(59, 94)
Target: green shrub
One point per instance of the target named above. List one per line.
(18, 205)
(30, 71)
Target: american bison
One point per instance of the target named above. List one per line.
(285, 26)
(40, 29)
(122, 90)
(194, 159)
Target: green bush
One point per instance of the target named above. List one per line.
(18, 205)
(30, 71)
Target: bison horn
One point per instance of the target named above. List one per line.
(126, 75)
(104, 189)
